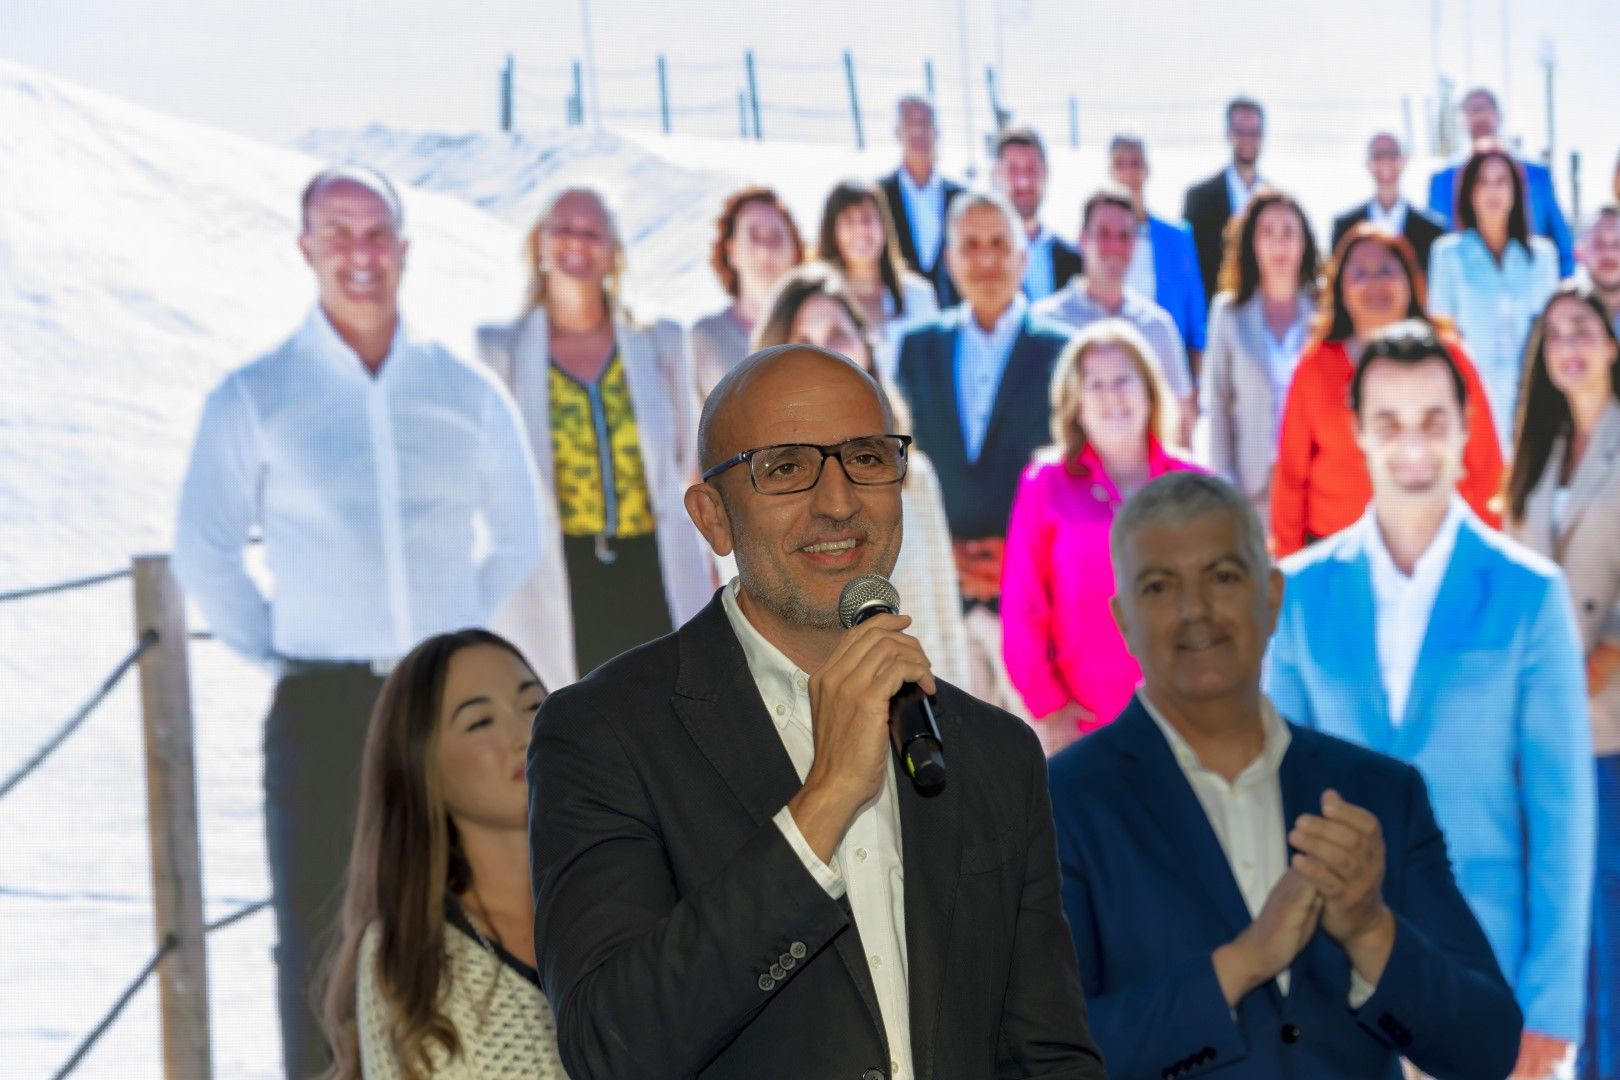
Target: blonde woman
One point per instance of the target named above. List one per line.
(435, 973)
(611, 414)
(1112, 421)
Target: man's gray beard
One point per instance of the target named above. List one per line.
(792, 607)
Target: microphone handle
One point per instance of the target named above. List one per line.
(914, 734)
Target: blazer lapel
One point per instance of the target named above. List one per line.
(1600, 459)
(1256, 380)
(652, 405)
(1458, 609)
(931, 842)
(1189, 841)
(718, 702)
(942, 378)
(1302, 778)
(1015, 379)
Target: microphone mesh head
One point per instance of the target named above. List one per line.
(866, 592)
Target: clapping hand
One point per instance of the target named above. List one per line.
(1341, 852)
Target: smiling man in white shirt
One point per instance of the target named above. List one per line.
(367, 458)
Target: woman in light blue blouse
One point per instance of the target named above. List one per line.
(1491, 277)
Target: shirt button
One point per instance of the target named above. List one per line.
(877, 961)
(832, 864)
(860, 853)
(800, 681)
(781, 710)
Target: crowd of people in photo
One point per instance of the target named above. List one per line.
(1378, 482)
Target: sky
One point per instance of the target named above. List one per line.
(1332, 73)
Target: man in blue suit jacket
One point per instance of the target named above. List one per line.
(1246, 895)
(1178, 286)
(1484, 118)
(1421, 633)
(976, 380)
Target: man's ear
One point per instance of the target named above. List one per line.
(708, 512)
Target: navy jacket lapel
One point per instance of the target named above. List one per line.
(1303, 777)
(1189, 841)
(718, 702)
(1023, 368)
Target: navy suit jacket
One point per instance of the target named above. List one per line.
(1421, 229)
(1546, 219)
(1149, 897)
(979, 494)
(1207, 209)
(944, 287)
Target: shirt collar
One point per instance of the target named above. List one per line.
(935, 183)
(1006, 323)
(1435, 557)
(1235, 184)
(1377, 214)
(321, 338)
(777, 677)
(1265, 765)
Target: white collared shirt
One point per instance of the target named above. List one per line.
(1237, 191)
(1142, 276)
(1393, 219)
(367, 489)
(1404, 603)
(981, 360)
(868, 864)
(1246, 815)
(1282, 358)
(925, 210)
(1039, 278)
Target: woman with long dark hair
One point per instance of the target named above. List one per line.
(1257, 331)
(1491, 277)
(434, 975)
(1563, 500)
(1320, 483)
(856, 235)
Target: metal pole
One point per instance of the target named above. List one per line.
(742, 115)
(928, 76)
(1549, 59)
(1575, 189)
(753, 92)
(968, 131)
(854, 99)
(1406, 117)
(996, 114)
(663, 92)
(576, 107)
(171, 817)
(506, 94)
(589, 41)
(1074, 122)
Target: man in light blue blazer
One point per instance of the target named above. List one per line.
(1164, 255)
(1483, 117)
(1421, 633)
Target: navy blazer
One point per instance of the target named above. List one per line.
(1207, 209)
(1421, 229)
(1149, 897)
(938, 275)
(979, 494)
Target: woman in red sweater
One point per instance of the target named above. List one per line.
(1320, 484)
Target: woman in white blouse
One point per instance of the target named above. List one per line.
(435, 974)
(857, 237)
(1257, 330)
(813, 305)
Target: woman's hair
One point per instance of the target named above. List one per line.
(1333, 318)
(800, 285)
(1543, 414)
(725, 228)
(1240, 268)
(848, 193)
(1067, 434)
(1518, 216)
(407, 856)
(611, 287)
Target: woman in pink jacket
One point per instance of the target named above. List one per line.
(1111, 414)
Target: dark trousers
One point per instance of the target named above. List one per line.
(1600, 1050)
(312, 744)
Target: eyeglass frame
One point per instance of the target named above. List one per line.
(827, 450)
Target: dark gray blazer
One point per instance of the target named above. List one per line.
(665, 893)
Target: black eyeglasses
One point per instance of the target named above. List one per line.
(790, 467)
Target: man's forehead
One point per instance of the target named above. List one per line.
(347, 197)
(802, 395)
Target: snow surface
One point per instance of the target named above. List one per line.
(141, 257)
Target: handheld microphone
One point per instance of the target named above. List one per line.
(913, 732)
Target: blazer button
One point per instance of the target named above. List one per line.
(797, 950)
(1290, 1033)
(872, 1074)
(766, 982)
(787, 961)
(1590, 606)
(778, 971)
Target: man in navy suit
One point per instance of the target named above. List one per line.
(976, 380)
(1244, 892)
(1483, 117)
(1386, 160)
(919, 197)
(1211, 203)
(1021, 176)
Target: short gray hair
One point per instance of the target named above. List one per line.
(973, 200)
(1179, 497)
(1126, 140)
(360, 175)
(915, 99)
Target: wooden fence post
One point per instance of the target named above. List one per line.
(171, 816)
